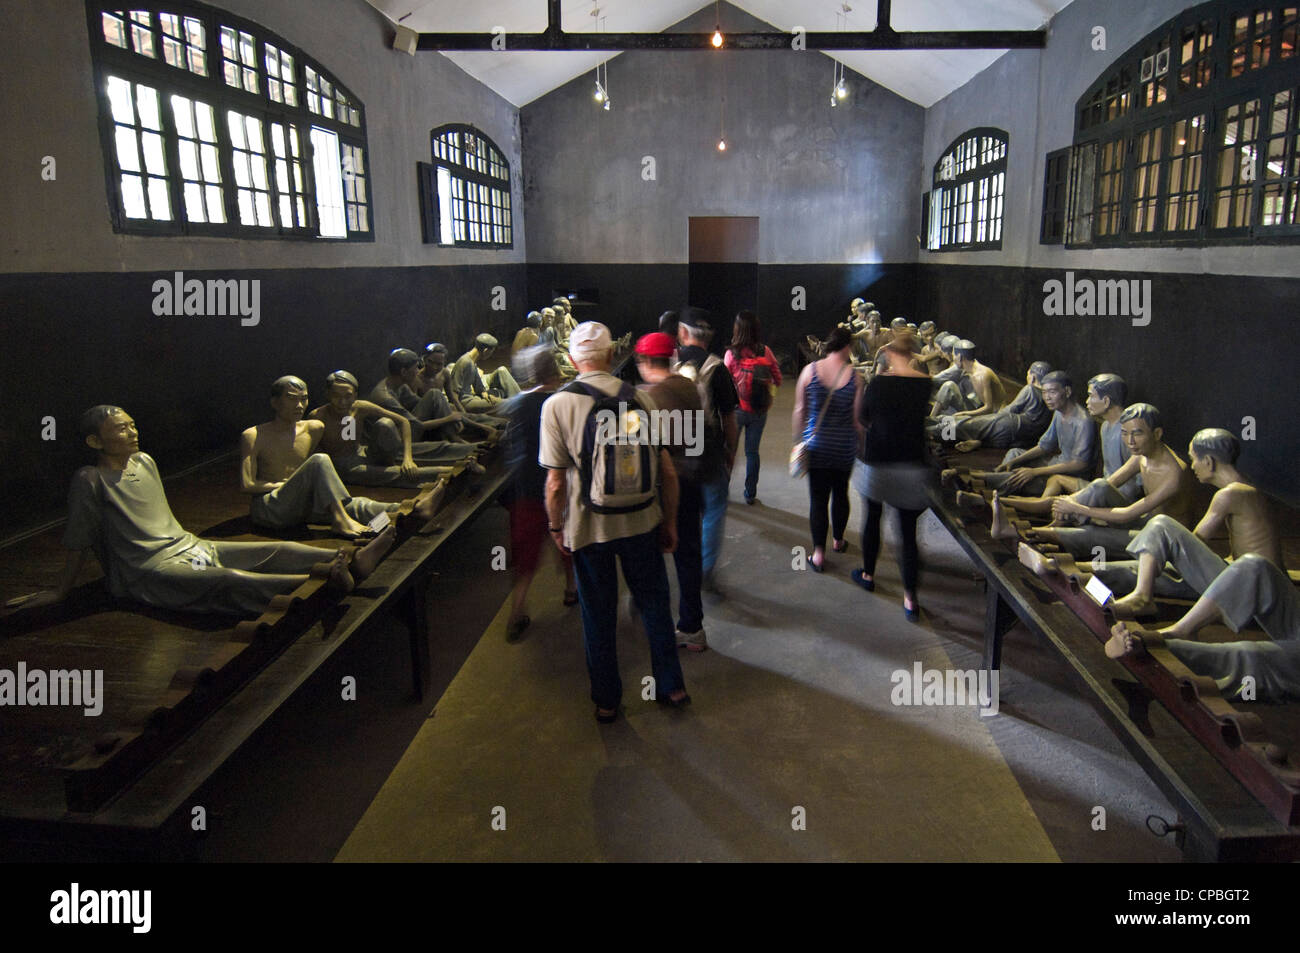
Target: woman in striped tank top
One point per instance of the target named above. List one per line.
(823, 417)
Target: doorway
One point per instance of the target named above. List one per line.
(723, 275)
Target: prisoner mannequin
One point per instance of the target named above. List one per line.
(526, 336)
(344, 414)
(564, 311)
(984, 384)
(1019, 424)
(1251, 588)
(477, 394)
(118, 509)
(1236, 506)
(291, 484)
(1068, 446)
(487, 426)
(931, 356)
(428, 415)
(952, 371)
(1169, 486)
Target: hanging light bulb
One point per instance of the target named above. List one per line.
(717, 39)
(600, 92)
(722, 145)
(841, 90)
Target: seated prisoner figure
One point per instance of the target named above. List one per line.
(292, 485)
(1069, 445)
(930, 355)
(344, 417)
(1248, 588)
(1236, 506)
(526, 336)
(476, 393)
(1019, 424)
(984, 395)
(118, 508)
(429, 416)
(952, 371)
(564, 311)
(867, 337)
(486, 427)
(1169, 488)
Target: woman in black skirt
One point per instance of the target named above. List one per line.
(891, 466)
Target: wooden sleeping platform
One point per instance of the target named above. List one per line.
(1231, 770)
(183, 692)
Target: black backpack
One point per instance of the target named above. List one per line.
(619, 468)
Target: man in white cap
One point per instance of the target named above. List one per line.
(599, 513)
(477, 394)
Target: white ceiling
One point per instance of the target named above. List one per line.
(924, 77)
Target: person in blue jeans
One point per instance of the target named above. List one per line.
(747, 351)
(712, 468)
(636, 538)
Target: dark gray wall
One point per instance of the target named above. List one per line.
(828, 185)
(75, 298)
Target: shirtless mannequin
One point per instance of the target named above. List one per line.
(291, 484)
(931, 356)
(343, 414)
(435, 373)
(988, 396)
(1249, 589)
(1019, 424)
(1236, 506)
(526, 336)
(564, 312)
(1169, 484)
(118, 509)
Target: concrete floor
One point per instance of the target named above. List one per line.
(792, 718)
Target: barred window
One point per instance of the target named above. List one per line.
(1208, 158)
(969, 186)
(473, 189)
(213, 125)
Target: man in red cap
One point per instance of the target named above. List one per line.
(681, 399)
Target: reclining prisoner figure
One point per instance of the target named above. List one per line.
(1249, 588)
(476, 393)
(118, 508)
(978, 390)
(1070, 445)
(344, 414)
(1019, 424)
(292, 485)
(1236, 506)
(430, 413)
(1169, 488)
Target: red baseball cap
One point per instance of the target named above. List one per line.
(656, 344)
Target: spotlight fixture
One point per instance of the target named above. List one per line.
(601, 95)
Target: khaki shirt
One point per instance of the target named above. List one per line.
(564, 416)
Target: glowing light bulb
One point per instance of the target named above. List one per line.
(722, 145)
(841, 90)
(717, 39)
(600, 93)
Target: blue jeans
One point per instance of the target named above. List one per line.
(687, 558)
(752, 425)
(647, 578)
(713, 509)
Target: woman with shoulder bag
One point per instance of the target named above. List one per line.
(823, 415)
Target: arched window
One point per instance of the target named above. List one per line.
(965, 204)
(473, 189)
(212, 125)
(1191, 137)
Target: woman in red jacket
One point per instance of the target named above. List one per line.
(757, 375)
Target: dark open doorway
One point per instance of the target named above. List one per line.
(723, 269)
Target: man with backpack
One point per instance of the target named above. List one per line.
(756, 374)
(712, 468)
(612, 493)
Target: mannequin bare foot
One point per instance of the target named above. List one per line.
(1127, 639)
(473, 466)
(947, 476)
(967, 446)
(1040, 565)
(1134, 604)
(339, 577)
(348, 528)
(974, 500)
(426, 505)
(1000, 527)
(367, 558)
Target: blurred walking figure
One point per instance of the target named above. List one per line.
(756, 374)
